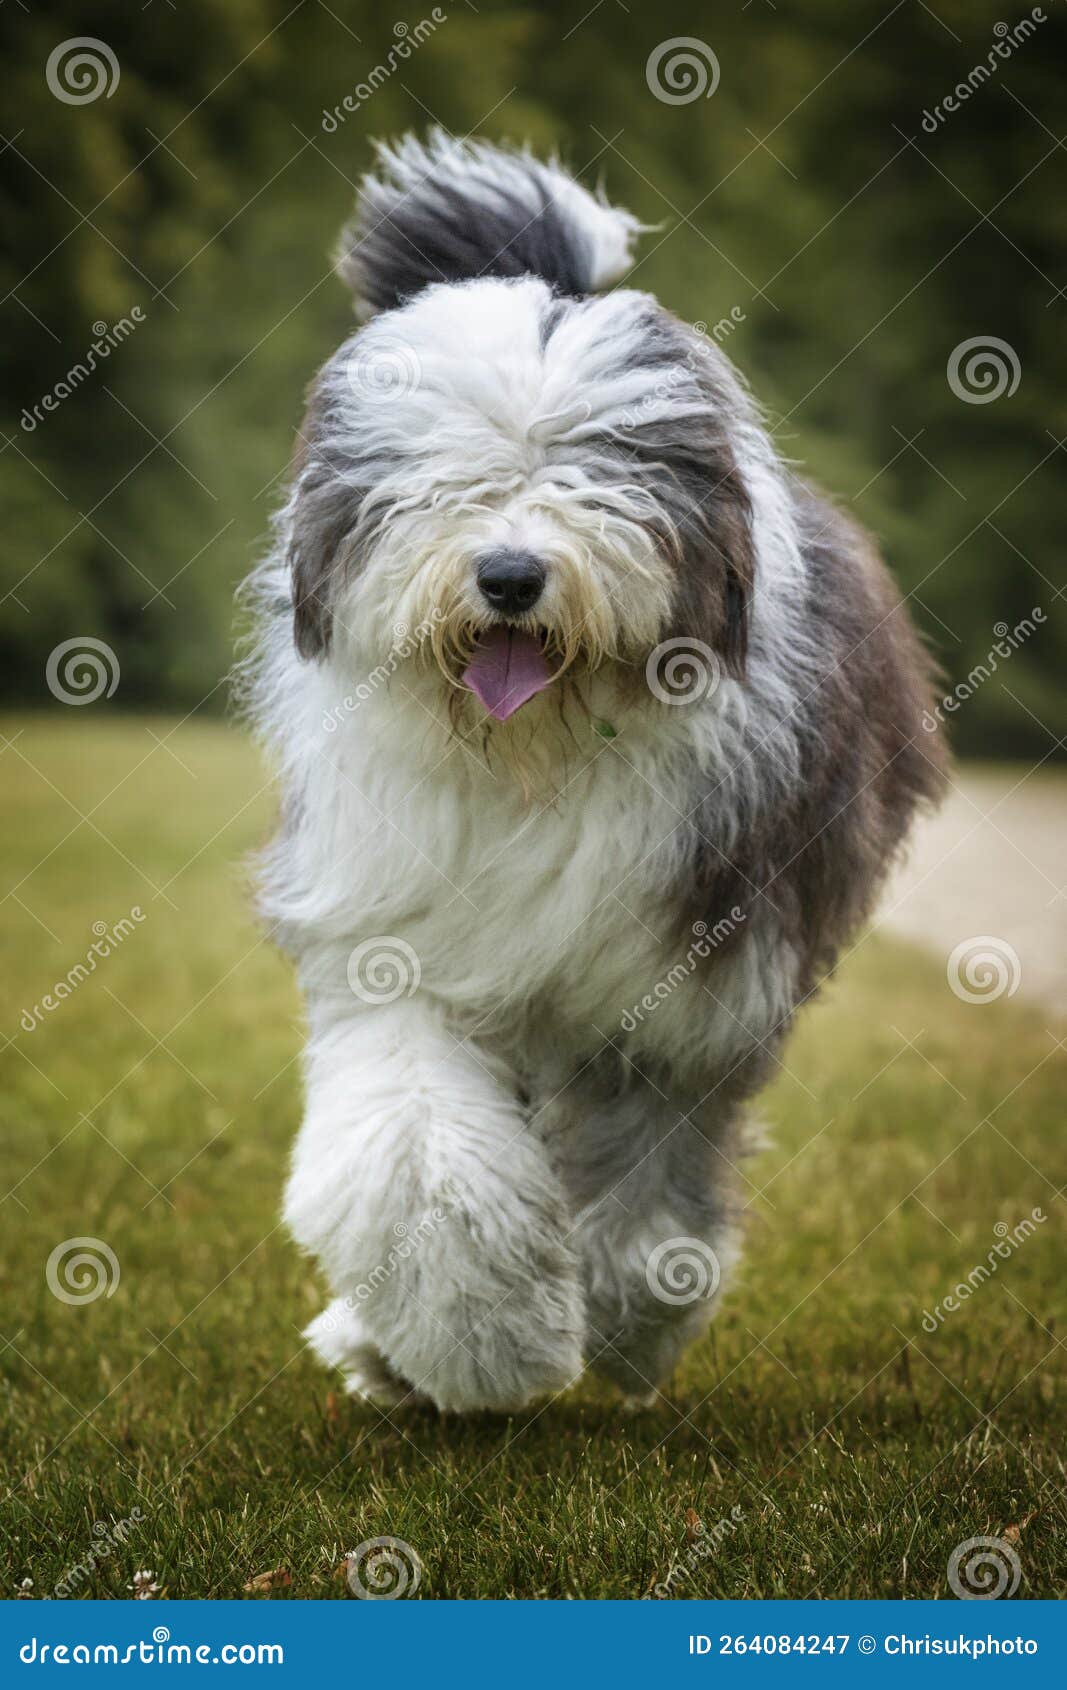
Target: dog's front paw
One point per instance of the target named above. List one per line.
(339, 1338)
(487, 1312)
(651, 1291)
(527, 1347)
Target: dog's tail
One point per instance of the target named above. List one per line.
(447, 211)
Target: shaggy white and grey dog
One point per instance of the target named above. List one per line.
(597, 731)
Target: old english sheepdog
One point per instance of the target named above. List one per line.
(597, 730)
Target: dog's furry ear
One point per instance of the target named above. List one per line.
(713, 557)
(728, 546)
(680, 448)
(318, 546)
(322, 523)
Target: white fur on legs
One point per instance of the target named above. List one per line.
(339, 1338)
(652, 1232)
(434, 1211)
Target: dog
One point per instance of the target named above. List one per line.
(597, 731)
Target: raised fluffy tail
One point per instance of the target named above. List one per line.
(447, 211)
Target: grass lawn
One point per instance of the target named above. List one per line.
(850, 1448)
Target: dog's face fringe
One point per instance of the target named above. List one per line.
(592, 434)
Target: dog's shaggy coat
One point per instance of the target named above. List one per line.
(549, 952)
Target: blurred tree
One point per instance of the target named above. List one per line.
(861, 247)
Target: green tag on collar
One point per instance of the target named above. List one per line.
(604, 729)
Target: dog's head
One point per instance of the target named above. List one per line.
(519, 484)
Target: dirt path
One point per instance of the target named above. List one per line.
(992, 864)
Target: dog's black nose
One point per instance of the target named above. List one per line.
(511, 581)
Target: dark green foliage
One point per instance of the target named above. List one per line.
(805, 193)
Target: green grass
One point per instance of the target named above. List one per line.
(153, 1110)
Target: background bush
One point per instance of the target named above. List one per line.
(860, 248)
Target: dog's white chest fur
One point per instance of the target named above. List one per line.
(448, 853)
(538, 922)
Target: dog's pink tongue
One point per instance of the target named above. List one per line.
(507, 669)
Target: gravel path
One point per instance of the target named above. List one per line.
(992, 864)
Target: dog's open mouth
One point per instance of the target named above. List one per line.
(508, 668)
